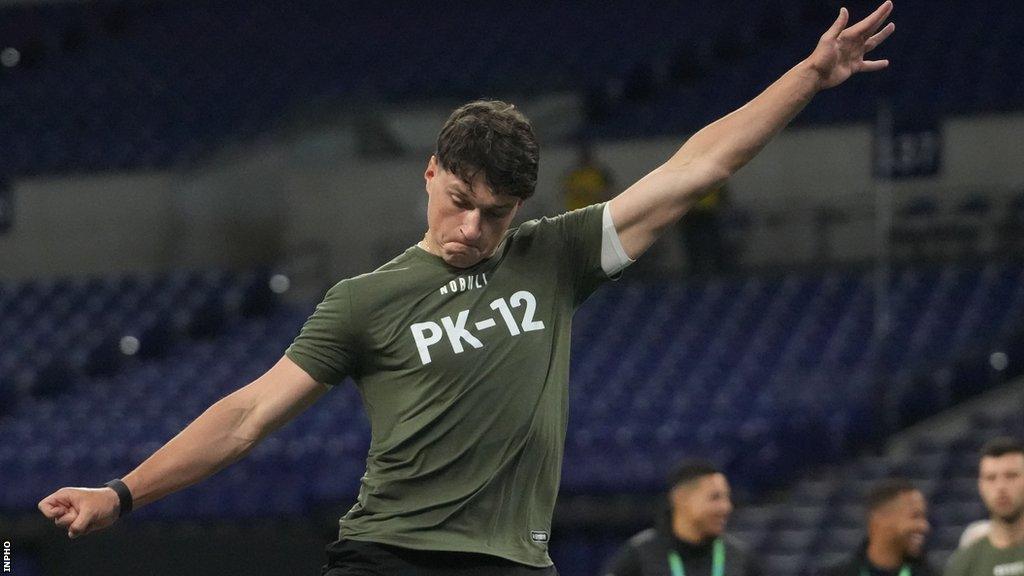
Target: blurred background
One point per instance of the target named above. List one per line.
(181, 181)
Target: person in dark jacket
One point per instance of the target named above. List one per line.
(690, 540)
(897, 526)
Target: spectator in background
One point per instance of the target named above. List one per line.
(897, 525)
(701, 234)
(588, 183)
(1001, 484)
(690, 539)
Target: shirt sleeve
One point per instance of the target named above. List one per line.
(326, 346)
(613, 256)
(626, 562)
(581, 235)
(957, 564)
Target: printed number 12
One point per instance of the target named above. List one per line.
(517, 300)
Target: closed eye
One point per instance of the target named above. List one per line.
(460, 202)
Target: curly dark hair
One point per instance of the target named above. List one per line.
(494, 137)
(886, 491)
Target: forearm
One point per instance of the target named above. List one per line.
(729, 143)
(211, 442)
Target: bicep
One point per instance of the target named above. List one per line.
(280, 394)
(657, 201)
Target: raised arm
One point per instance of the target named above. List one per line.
(643, 211)
(221, 435)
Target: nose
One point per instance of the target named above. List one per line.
(471, 226)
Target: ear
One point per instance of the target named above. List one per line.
(876, 524)
(431, 170)
(677, 497)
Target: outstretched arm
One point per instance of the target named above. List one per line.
(712, 155)
(221, 435)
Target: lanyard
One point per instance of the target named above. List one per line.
(717, 561)
(904, 571)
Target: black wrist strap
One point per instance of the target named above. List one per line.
(123, 494)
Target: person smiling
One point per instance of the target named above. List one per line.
(690, 539)
(897, 525)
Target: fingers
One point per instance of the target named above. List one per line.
(872, 22)
(66, 519)
(79, 526)
(873, 65)
(53, 506)
(879, 37)
(839, 24)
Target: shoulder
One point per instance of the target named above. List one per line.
(401, 273)
(628, 560)
(570, 217)
(961, 559)
(563, 227)
(643, 538)
(401, 263)
(630, 556)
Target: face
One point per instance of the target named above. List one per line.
(1001, 484)
(904, 521)
(465, 221)
(705, 503)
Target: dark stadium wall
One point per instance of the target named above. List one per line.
(229, 216)
(261, 207)
(87, 225)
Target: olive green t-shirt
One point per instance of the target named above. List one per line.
(984, 559)
(464, 377)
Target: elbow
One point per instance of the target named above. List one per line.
(716, 175)
(249, 432)
(243, 425)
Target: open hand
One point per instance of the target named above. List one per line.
(81, 510)
(840, 52)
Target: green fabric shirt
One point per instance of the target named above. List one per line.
(984, 559)
(464, 377)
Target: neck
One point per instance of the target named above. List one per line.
(685, 530)
(425, 244)
(883, 555)
(1007, 534)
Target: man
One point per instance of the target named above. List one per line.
(897, 525)
(588, 182)
(1001, 484)
(691, 539)
(460, 345)
(701, 234)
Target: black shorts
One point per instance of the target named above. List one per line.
(355, 558)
